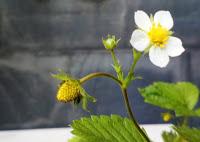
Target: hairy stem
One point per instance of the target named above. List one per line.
(130, 113)
(117, 66)
(129, 77)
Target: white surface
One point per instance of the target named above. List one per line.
(62, 134)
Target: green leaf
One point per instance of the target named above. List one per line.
(189, 92)
(105, 129)
(189, 134)
(180, 97)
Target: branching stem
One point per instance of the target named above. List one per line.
(125, 95)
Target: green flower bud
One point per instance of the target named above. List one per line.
(110, 42)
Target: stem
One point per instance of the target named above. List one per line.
(125, 95)
(114, 57)
(132, 68)
(130, 113)
(99, 74)
(117, 66)
(136, 56)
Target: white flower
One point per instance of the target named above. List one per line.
(154, 34)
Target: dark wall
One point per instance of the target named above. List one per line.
(38, 36)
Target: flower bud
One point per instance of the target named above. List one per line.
(110, 42)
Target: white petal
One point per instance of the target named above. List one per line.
(164, 18)
(142, 20)
(174, 47)
(158, 56)
(139, 40)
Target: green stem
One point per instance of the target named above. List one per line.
(130, 113)
(99, 74)
(117, 66)
(125, 95)
(131, 71)
(136, 56)
(115, 60)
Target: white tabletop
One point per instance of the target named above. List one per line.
(62, 134)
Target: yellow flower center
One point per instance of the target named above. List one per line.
(159, 35)
(68, 91)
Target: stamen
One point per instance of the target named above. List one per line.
(159, 35)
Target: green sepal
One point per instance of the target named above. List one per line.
(85, 98)
(110, 42)
(61, 75)
(151, 18)
(137, 78)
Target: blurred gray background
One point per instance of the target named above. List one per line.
(38, 36)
